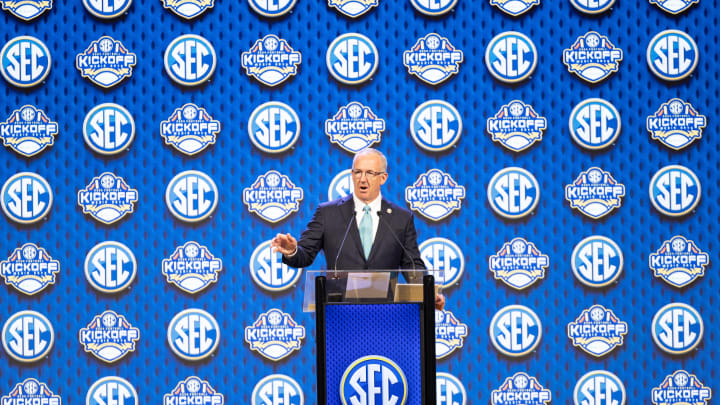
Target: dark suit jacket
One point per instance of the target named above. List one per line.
(327, 229)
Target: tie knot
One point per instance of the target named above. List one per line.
(366, 209)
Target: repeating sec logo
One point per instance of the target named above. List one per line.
(275, 335)
(674, 6)
(107, 9)
(597, 331)
(449, 333)
(277, 389)
(511, 57)
(672, 55)
(26, 9)
(272, 8)
(594, 193)
(352, 58)
(109, 337)
(193, 390)
(516, 126)
(599, 387)
(520, 388)
(679, 261)
(105, 62)
(29, 269)
(26, 198)
(597, 261)
(435, 195)
(191, 196)
(190, 60)
(514, 7)
(373, 379)
(25, 61)
(449, 390)
(675, 190)
(518, 264)
(433, 59)
(191, 267)
(108, 129)
(274, 127)
(594, 124)
(513, 192)
(592, 6)
(271, 60)
(435, 125)
(353, 8)
(27, 336)
(354, 127)
(592, 57)
(112, 390)
(193, 334)
(110, 267)
(677, 328)
(107, 198)
(188, 9)
(433, 7)
(341, 185)
(31, 391)
(190, 129)
(681, 387)
(515, 330)
(269, 272)
(443, 254)
(273, 196)
(28, 131)
(676, 124)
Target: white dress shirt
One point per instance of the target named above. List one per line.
(375, 207)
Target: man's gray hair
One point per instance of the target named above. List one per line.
(371, 151)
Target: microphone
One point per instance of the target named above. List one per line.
(412, 260)
(347, 230)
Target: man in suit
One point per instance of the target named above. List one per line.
(363, 221)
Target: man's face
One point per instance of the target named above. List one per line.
(367, 188)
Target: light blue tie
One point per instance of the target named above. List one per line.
(366, 233)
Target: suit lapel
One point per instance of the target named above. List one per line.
(347, 208)
(381, 230)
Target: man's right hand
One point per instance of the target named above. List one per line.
(284, 244)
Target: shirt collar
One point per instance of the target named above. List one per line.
(375, 205)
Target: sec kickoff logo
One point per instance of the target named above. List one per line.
(353, 8)
(273, 196)
(518, 264)
(352, 58)
(112, 390)
(435, 125)
(594, 193)
(680, 388)
(435, 195)
(514, 7)
(110, 267)
(106, 62)
(433, 7)
(592, 57)
(26, 198)
(109, 337)
(674, 6)
(354, 127)
(511, 57)
(597, 261)
(679, 261)
(193, 334)
(26, 9)
(190, 60)
(191, 196)
(373, 379)
(449, 390)
(594, 124)
(433, 59)
(275, 335)
(109, 129)
(269, 272)
(513, 192)
(341, 185)
(191, 267)
(107, 9)
(28, 131)
(516, 126)
(188, 9)
(592, 6)
(675, 190)
(274, 127)
(672, 55)
(677, 328)
(450, 333)
(515, 330)
(277, 389)
(520, 389)
(676, 124)
(597, 331)
(193, 390)
(443, 254)
(190, 129)
(27, 336)
(31, 391)
(599, 387)
(25, 61)
(107, 198)
(29, 269)
(272, 8)
(271, 60)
